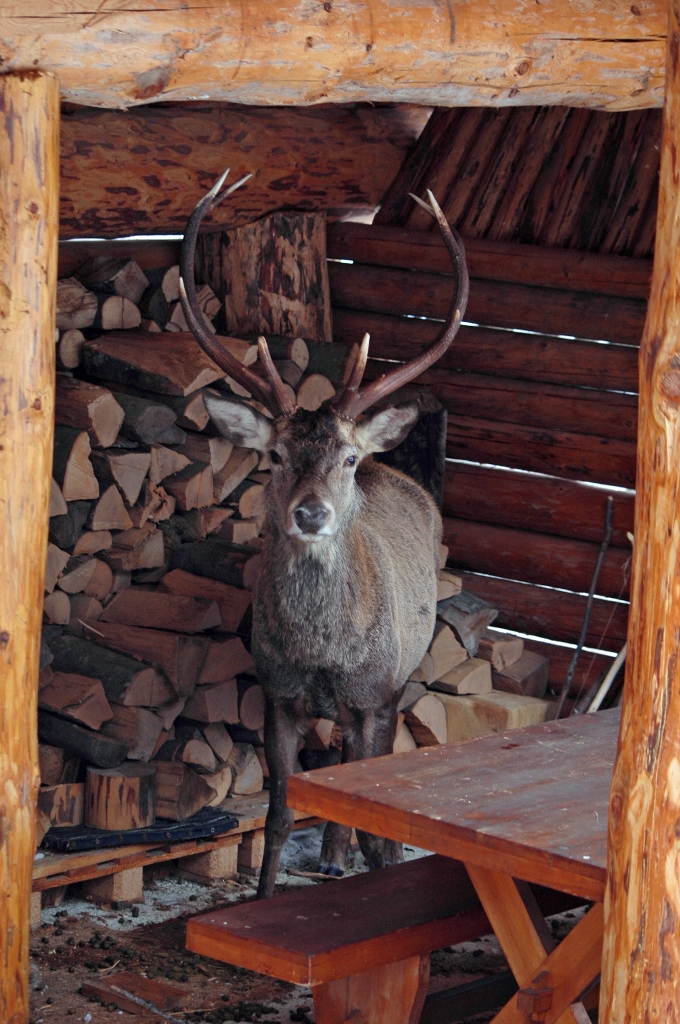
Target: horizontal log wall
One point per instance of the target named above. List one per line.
(562, 410)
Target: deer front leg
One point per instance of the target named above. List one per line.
(281, 733)
(372, 735)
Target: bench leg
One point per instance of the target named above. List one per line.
(392, 994)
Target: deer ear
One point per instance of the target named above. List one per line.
(386, 429)
(246, 427)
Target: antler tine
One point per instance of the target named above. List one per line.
(286, 407)
(263, 390)
(402, 375)
(348, 394)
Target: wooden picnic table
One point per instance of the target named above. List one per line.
(530, 805)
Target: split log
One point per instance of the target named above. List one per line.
(473, 676)
(295, 351)
(240, 463)
(66, 529)
(177, 323)
(214, 702)
(154, 308)
(114, 313)
(72, 468)
(528, 675)
(219, 739)
(76, 574)
(190, 409)
(55, 562)
(246, 769)
(63, 804)
(282, 257)
(83, 609)
(179, 791)
(165, 462)
(221, 781)
(192, 487)
(88, 407)
(91, 746)
(101, 583)
(167, 279)
(469, 616)
(448, 585)
(217, 560)
(125, 680)
(144, 421)
(331, 361)
(200, 523)
(138, 728)
(172, 364)
(168, 713)
(501, 649)
(289, 372)
(251, 502)
(251, 704)
(51, 763)
(57, 608)
(126, 469)
(92, 541)
(445, 650)
(403, 739)
(110, 513)
(78, 698)
(467, 717)
(192, 749)
(320, 734)
(70, 348)
(120, 798)
(225, 659)
(413, 691)
(240, 531)
(76, 306)
(114, 277)
(58, 506)
(216, 451)
(162, 611)
(180, 657)
(426, 720)
(155, 505)
(314, 391)
(137, 549)
(424, 673)
(233, 602)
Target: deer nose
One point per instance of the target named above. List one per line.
(310, 516)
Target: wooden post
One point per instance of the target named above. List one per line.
(29, 197)
(641, 956)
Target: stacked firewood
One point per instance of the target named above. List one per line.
(155, 526)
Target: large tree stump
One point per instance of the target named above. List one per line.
(641, 954)
(29, 197)
(275, 277)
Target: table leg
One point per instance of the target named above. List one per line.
(391, 994)
(550, 978)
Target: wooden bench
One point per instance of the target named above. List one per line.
(362, 942)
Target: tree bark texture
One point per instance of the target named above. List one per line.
(29, 195)
(641, 956)
(144, 171)
(281, 52)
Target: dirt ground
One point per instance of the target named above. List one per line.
(78, 942)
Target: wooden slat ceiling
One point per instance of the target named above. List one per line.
(551, 176)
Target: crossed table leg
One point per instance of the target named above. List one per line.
(550, 978)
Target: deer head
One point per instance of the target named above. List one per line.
(314, 455)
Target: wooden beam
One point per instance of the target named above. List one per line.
(641, 960)
(29, 194)
(279, 52)
(143, 171)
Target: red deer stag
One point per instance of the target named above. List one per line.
(345, 605)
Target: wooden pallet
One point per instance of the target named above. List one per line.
(61, 869)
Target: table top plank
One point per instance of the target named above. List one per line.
(537, 796)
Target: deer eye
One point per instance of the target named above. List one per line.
(350, 460)
(274, 458)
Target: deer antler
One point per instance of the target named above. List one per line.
(269, 391)
(353, 401)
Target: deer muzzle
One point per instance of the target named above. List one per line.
(313, 519)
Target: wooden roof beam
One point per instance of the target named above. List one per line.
(281, 52)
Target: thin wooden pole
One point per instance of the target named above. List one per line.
(29, 198)
(641, 956)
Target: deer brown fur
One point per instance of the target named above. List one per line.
(344, 609)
